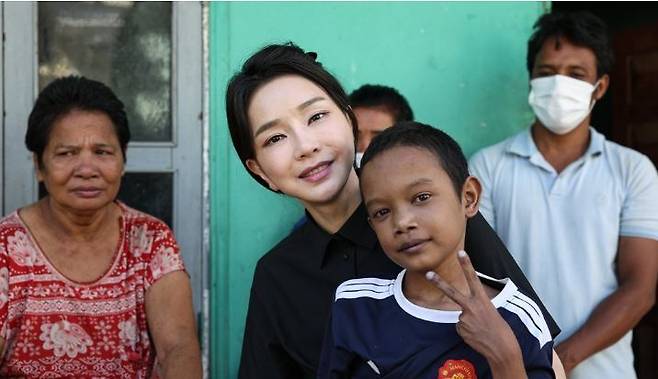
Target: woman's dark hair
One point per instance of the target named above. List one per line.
(269, 63)
(581, 29)
(378, 96)
(62, 96)
(422, 136)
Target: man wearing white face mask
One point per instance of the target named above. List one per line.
(579, 213)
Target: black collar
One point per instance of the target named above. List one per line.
(355, 230)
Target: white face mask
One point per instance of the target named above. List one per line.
(561, 103)
(357, 159)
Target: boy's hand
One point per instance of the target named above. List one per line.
(480, 324)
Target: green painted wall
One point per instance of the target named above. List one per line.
(461, 66)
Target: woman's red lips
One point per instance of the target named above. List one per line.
(317, 172)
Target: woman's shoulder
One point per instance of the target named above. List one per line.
(136, 218)
(286, 247)
(11, 225)
(145, 235)
(11, 221)
(138, 222)
(293, 253)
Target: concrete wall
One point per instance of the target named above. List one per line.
(460, 65)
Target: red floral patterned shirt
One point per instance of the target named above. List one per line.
(54, 327)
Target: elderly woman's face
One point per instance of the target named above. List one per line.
(82, 162)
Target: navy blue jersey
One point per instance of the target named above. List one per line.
(376, 332)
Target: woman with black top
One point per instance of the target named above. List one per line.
(294, 132)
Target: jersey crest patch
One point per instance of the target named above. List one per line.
(457, 369)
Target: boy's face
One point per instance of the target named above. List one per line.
(413, 207)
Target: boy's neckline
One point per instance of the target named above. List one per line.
(445, 316)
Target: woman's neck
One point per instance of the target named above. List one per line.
(332, 215)
(78, 225)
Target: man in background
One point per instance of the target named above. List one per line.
(376, 108)
(578, 213)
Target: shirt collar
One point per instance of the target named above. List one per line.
(596, 143)
(356, 230)
(523, 145)
(316, 239)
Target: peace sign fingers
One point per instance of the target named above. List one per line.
(480, 324)
(447, 289)
(474, 283)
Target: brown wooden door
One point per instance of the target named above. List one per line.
(635, 83)
(635, 108)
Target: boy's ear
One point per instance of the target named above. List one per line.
(471, 196)
(254, 167)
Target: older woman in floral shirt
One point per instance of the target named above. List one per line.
(89, 288)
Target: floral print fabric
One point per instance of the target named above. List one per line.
(53, 327)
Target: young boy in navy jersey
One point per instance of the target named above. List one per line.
(438, 318)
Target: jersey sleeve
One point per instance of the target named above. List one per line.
(639, 214)
(538, 361)
(165, 254)
(532, 334)
(479, 167)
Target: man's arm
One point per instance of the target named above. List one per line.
(637, 271)
(171, 323)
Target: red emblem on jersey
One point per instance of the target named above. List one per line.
(457, 369)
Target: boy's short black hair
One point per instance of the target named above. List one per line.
(62, 96)
(415, 134)
(265, 65)
(375, 96)
(581, 28)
